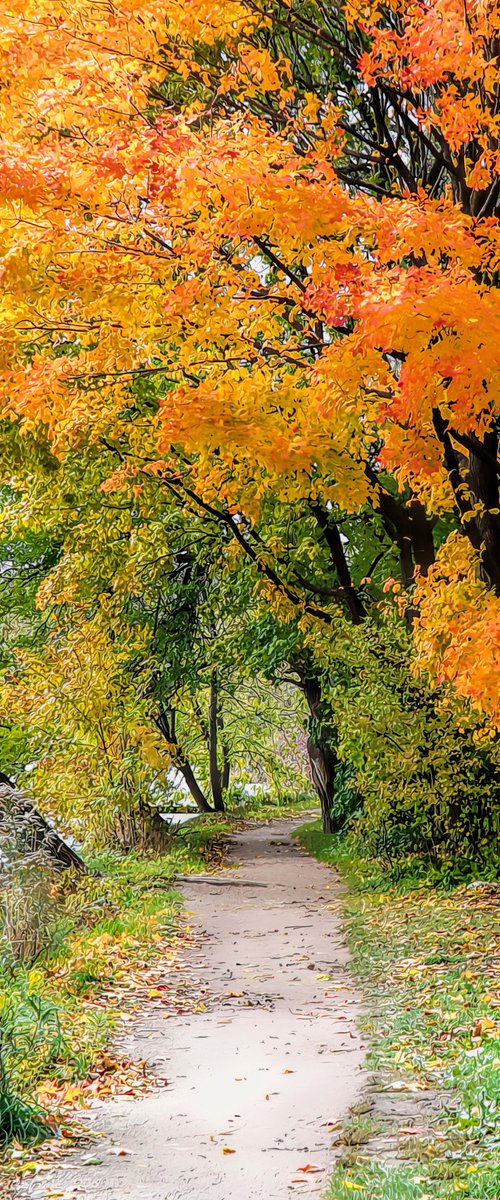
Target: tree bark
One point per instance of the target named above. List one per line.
(355, 606)
(320, 748)
(33, 833)
(219, 779)
(482, 477)
(408, 526)
(226, 769)
(323, 762)
(152, 829)
(474, 480)
(167, 729)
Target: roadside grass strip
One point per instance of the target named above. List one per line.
(427, 959)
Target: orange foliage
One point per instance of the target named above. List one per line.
(289, 323)
(459, 616)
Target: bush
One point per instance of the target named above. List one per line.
(347, 802)
(426, 768)
(29, 1032)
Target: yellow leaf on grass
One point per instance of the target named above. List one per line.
(483, 1026)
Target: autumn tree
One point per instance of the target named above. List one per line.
(124, 660)
(251, 252)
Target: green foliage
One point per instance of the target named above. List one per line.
(347, 800)
(30, 1039)
(403, 1183)
(427, 771)
(269, 804)
(133, 608)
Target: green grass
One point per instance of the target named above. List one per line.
(264, 808)
(426, 954)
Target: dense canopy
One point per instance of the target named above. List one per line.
(249, 275)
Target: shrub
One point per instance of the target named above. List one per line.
(29, 1032)
(426, 768)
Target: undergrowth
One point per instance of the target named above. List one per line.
(57, 1013)
(426, 952)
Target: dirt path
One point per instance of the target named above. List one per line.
(273, 1061)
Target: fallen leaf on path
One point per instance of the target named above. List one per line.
(309, 1168)
(227, 1150)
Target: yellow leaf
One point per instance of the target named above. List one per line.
(483, 1026)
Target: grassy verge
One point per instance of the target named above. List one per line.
(262, 808)
(427, 959)
(110, 935)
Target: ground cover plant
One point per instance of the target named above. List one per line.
(426, 953)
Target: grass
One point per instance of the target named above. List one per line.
(261, 807)
(426, 954)
(108, 930)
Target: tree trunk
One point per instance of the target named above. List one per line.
(474, 479)
(320, 748)
(167, 728)
(32, 832)
(189, 777)
(153, 830)
(355, 606)
(323, 761)
(226, 769)
(214, 725)
(407, 525)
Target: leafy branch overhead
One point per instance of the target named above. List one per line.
(249, 357)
